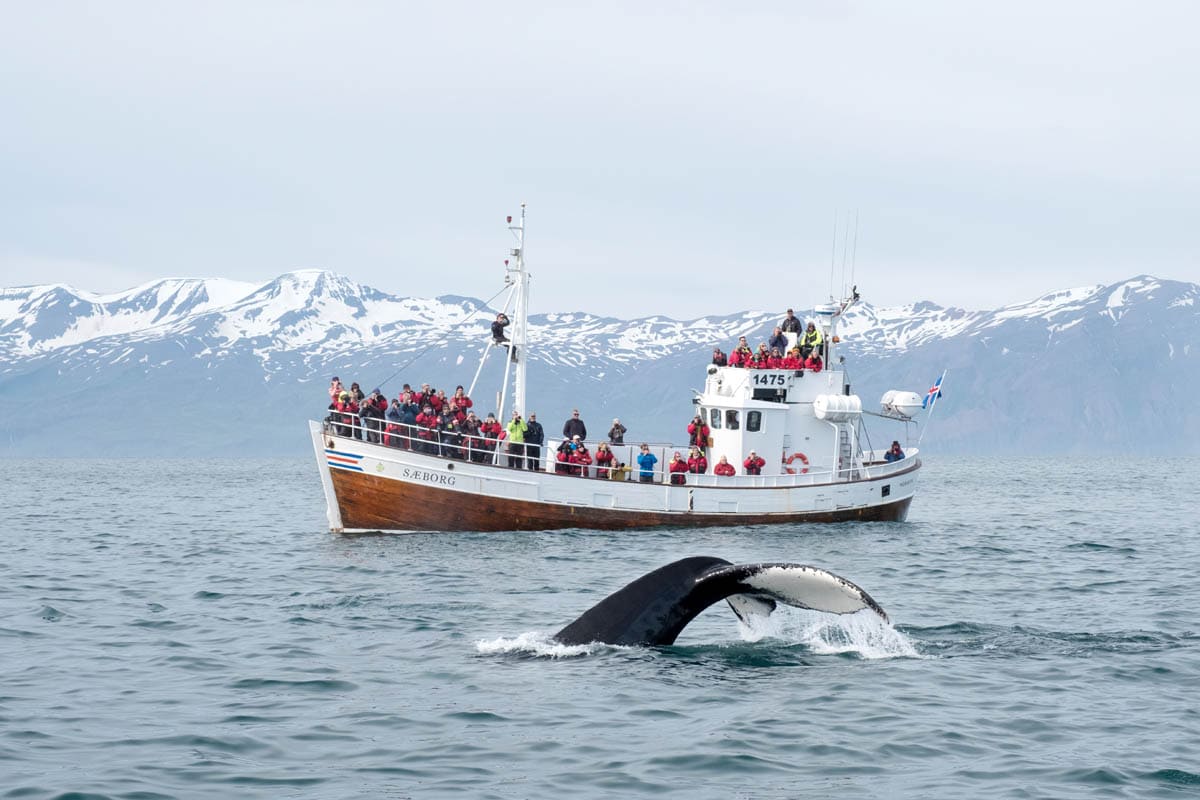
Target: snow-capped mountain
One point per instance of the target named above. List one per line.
(214, 367)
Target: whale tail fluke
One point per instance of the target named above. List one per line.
(653, 609)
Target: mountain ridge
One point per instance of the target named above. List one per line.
(275, 340)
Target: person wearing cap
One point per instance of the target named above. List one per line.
(790, 324)
(492, 433)
(754, 464)
(516, 441)
(348, 414)
(580, 458)
(646, 461)
(574, 426)
(616, 434)
(811, 340)
(535, 436)
(678, 469)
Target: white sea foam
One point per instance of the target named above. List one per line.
(535, 644)
(862, 633)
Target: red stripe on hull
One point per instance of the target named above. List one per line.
(369, 502)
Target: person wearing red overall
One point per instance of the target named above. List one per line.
(754, 464)
(724, 468)
(604, 460)
(678, 469)
(697, 463)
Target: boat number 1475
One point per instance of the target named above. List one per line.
(770, 379)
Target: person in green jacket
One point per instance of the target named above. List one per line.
(516, 441)
(811, 340)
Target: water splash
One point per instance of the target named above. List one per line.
(535, 644)
(863, 633)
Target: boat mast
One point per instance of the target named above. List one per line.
(520, 323)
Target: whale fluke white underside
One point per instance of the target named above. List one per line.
(653, 609)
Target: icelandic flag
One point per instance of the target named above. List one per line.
(934, 393)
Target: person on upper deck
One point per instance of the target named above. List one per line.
(719, 358)
(461, 398)
(894, 453)
(616, 434)
(574, 426)
(792, 360)
(742, 354)
(646, 461)
(775, 361)
(761, 358)
(335, 389)
(724, 468)
(814, 362)
(678, 469)
(777, 341)
(811, 340)
(754, 464)
(791, 323)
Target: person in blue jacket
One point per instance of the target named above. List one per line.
(646, 462)
(894, 454)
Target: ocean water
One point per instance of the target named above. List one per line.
(189, 629)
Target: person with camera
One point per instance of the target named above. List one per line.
(616, 434)
(516, 441)
(498, 337)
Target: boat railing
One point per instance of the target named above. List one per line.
(496, 452)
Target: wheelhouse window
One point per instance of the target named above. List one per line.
(731, 420)
(715, 418)
(753, 420)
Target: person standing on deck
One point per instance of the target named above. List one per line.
(811, 340)
(574, 426)
(535, 436)
(516, 441)
(616, 434)
(646, 462)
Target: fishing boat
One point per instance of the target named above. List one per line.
(806, 426)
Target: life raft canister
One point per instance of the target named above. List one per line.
(793, 457)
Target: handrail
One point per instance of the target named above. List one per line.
(389, 433)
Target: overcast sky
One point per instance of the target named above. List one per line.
(682, 158)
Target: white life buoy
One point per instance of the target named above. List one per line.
(803, 460)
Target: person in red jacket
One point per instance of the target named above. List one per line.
(427, 425)
(761, 357)
(697, 463)
(813, 362)
(792, 360)
(697, 432)
(604, 460)
(754, 464)
(775, 360)
(492, 433)
(581, 459)
(742, 354)
(724, 468)
(460, 397)
(678, 469)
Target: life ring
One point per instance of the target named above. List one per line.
(803, 460)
